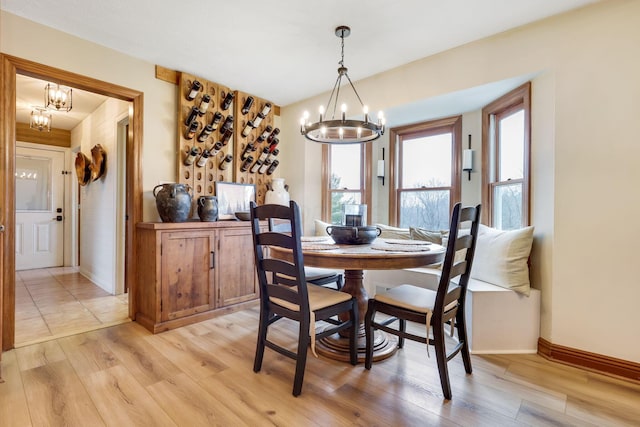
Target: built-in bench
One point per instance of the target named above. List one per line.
(499, 320)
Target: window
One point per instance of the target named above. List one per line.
(506, 130)
(425, 178)
(346, 177)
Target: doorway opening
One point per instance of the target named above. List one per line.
(11, 67)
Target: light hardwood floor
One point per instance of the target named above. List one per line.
(57, 302)
(201, 375)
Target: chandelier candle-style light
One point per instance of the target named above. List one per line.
(342, 130)
(40, 120)
(57, 97)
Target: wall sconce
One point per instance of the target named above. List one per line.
(40, 120)
(467, 159)
(380, 173)
(57, 97)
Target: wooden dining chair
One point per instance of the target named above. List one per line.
(284, 293)
(435, 309)
(316, 275)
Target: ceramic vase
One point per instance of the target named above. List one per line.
(208, 208)
(278, 195)
(173, 202)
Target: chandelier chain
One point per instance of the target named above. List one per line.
(342, 50)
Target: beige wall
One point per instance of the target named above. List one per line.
(28, 40)
(584, 152)
(99, 199)
(584, 160)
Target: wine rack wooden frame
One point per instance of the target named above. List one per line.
(261, 180)
(202, 179)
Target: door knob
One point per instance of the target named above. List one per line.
(57, 218)
(1, 227)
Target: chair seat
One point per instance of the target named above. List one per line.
(319, 298)
(409, 297)
(315, 273)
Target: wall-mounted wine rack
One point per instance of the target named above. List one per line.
(255, 129)
(201, 131)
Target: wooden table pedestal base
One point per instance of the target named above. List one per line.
(336, 347)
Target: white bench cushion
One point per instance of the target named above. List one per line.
(499, 320)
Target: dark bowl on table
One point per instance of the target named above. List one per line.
(243, 216)
(347, 235)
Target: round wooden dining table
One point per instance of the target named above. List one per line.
(354, 259)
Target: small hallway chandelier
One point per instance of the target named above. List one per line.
(57, 97)
(40, 120)
(342, 130)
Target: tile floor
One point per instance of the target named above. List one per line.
(57, 302)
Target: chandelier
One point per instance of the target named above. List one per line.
(40, 119)
(57, 97)
(342, 130)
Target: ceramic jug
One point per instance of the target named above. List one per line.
(173, 202)
(278, 194)
(208, 208)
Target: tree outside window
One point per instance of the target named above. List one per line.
(506, 144)
(426, 184)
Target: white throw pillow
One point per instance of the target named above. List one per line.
(501, 257)
(321, 228)
(388, 232)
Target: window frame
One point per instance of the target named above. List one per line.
(519, 98)
(365, 181)
(432, 127)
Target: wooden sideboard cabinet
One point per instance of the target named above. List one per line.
(192, 271)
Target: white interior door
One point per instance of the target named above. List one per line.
(39, 208)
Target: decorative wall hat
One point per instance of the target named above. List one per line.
(91, 170)
(83, 170)
(98, 162)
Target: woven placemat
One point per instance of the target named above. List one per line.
(400, 248)
(405, 242)
(304, 239)
(318, 246)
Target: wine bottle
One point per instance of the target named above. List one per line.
(258, 120)
(191, 130)
(264, 154)
(265, 134)
(226, 137)
(191, 155)
(266, 109)
(275, 133)
(216, 148)
(274, 144)
(247, 129)
(206, 131)
(273, 167)
(226, 102)
(204, 104)
(273, 154)
(225, 162)
(247, 105)
(256, 166)
(245, 165)
(265, 166)
(215, 122)
(193, 90)
(226, 125)
(192, 116)
(250, 148)
(202, 160)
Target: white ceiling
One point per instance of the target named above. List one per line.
(30, 94)
(283, 50)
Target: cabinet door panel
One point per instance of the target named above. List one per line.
(237, 280)
(187, 273)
